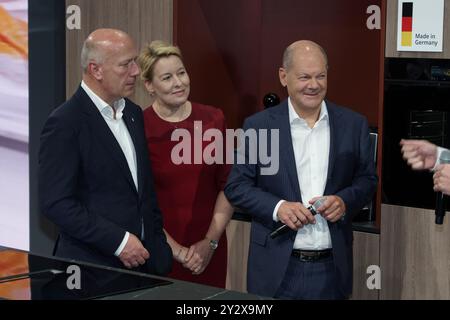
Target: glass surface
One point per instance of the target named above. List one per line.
(416, 106)
(14, 101)
(25, 276)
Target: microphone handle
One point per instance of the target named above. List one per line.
(440, 208)
(441, 198)
(279, 231)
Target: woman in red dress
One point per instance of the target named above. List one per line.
(189, 188)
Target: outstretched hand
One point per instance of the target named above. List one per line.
(420, 154)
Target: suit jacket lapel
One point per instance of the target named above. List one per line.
(106, 136)
(287, 158)
(130, 122)
(333, 116)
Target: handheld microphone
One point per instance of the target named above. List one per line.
(441, 199)
(313, 209)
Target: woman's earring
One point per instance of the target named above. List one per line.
(152, 93)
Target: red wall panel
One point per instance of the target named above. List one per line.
(220, 44)
(233, 50)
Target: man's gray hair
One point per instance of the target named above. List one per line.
(90, 52)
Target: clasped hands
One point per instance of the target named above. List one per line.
(295, 215)
(195, 258)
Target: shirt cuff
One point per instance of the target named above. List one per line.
(275, 211)
(438, 156)
(122, 244)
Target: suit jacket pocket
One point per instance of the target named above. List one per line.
(259, 234)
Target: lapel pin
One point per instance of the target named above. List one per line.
(132, 119)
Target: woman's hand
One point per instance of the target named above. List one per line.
(199, 256)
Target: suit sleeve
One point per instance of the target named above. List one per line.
(242, 189)
(364, 183)
(160, 261)
(59, 170)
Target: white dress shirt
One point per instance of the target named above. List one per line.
(311, 150)
(120, 132)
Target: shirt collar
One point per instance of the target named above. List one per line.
(104, 108)
(294, 117)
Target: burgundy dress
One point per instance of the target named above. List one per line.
(187, 193)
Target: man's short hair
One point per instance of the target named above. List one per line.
(288, 53)
(90, 52)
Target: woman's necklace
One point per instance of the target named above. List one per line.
(174, 123)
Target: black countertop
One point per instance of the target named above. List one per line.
(26, 276)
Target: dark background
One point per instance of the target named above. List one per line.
(47, 74)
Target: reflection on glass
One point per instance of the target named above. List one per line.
(36, 278)
(14, 69)
(13, 263)
(14, 185)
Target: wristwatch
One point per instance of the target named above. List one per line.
(213, 244)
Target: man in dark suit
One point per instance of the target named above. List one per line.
(95, 181)
(324, 149)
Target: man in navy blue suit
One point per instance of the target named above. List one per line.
(324, 152)
(95, 181)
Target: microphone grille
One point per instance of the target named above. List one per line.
(445, 156)
(318, 203)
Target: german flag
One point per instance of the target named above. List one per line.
(407, 18)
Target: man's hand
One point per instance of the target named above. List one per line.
(198, 256)
(134, 253)
(181, 254)
(332, 209)
(295, 215)
(420, 154)
(441, 179)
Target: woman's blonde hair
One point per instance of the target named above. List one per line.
(151, 53)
